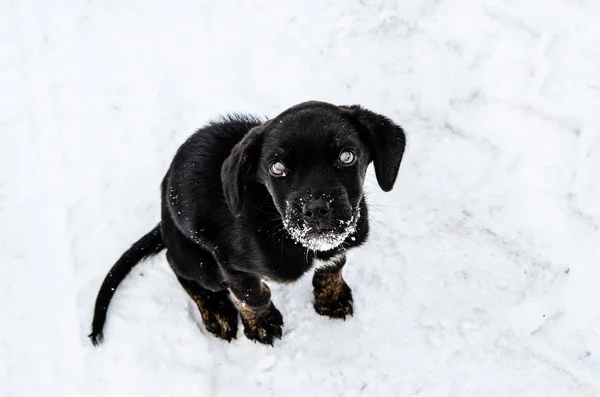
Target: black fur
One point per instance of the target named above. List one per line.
(228, 223)
(148, 245)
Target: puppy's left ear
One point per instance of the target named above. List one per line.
(385, 139)
(239, 167)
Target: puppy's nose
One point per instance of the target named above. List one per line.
(315, 210)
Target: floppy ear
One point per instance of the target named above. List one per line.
(240, 165)
(385, 139)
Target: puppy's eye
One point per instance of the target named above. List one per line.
(347, 157)
(277, 168)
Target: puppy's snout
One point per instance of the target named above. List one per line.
(315, 211)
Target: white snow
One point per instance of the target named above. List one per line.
(482, 274)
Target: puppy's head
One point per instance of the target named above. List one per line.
(312, 159)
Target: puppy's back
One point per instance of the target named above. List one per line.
(192, 190)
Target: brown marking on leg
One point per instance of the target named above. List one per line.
(333, 297)
(262, 323)
(218, 313)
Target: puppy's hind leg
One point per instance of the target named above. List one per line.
(219, 315)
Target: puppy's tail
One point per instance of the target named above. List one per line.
(150, 244)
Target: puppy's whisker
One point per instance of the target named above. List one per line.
(367, 193)
(268, 223)
(371, 181)
(272, 219)
(377, 224)
(273, 232)
(382, 213)
(386, 206)
(264, 210)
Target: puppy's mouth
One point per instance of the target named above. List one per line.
(323, 238)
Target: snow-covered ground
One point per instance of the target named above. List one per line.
(482, 274)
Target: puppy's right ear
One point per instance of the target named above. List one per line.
(238, 167)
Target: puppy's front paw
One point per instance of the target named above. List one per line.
(264, 325)
(333, 297)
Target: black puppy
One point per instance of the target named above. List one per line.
(247, 200)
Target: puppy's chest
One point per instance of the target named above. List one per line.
(287, 265)
(333, 261)
(290, 265)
